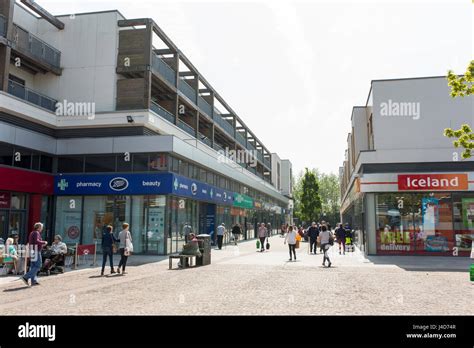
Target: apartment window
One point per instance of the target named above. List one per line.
(158, 162)
(371, 132)
(46, 164)
(140, 162)
(98, 164)
(71, 164)
(6, 155)
(124, 163)
(353, 148)
(16, 79)
(202, 175)
(183, 168)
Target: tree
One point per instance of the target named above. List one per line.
(462, 86)
(330, 193)
(309, 204)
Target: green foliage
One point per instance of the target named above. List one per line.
(309, 200)
(462, 86)
(328, 194)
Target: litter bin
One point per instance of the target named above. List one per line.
(204, 241)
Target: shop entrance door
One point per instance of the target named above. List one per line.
(16, 223)
(13, 221)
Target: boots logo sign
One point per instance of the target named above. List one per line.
(118, 184)
(432, 182)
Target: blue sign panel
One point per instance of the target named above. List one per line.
(183, 186)
(140, 184)
(120, 184)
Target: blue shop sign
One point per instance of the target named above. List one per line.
(120, 184)
(183, 186)
(136, 184)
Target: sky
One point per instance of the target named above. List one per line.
(293, 70)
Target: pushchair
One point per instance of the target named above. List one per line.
(52, 263)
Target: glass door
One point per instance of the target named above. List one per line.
(3, 224)
(16, 224)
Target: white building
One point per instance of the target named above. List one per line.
(405, 189)
(107, 112)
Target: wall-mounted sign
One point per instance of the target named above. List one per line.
(432, 182)
(243, 201)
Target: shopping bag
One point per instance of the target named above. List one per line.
(472, 272)
(267, 246)
(297, 245)
(258, 244)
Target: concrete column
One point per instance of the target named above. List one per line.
(370, 225)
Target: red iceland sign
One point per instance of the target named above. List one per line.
(432, 182)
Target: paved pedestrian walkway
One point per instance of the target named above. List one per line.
(242, 280)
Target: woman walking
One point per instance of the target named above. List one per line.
(125, 238)
(262, 235)
(108, 240)
(291, 239)
(325, 239)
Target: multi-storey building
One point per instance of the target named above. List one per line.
(104, 120)
(405, 188)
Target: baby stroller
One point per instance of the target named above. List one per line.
(53, 263)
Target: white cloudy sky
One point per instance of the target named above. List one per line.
(292, 70)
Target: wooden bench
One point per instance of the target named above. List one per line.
(182, 260)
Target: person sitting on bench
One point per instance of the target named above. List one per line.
(190, 248)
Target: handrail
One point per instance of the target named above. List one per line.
(25, 93)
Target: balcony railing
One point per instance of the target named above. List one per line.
(205, 139)
(204, 106)
(164, 69)
(239, 137)
(267, 162)
(187, 90)
(20, 91)
(3, 25)
(186, 127)
(35, 47)
(251, 147)
(224, 124)
(217, 147)
(162, 112)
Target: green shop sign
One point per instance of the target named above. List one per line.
(243, 201)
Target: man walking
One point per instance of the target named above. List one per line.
(236, 232)
(36, 245)
(220, 235)
(313, 233)
(341, 238)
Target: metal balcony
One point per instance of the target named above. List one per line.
(164, 69)
(162, 112)
(20, 91)
(187, 90)
(205, 139)
(186, 127)
(35, 49)
(204, 106)
(224, 124)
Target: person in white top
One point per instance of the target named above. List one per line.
(125, 238)
(220, 235)
(291, 239)
(325, 237)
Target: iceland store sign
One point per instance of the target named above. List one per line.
(140, 184)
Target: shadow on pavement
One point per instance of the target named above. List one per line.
(424, 263)
(17, 289)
